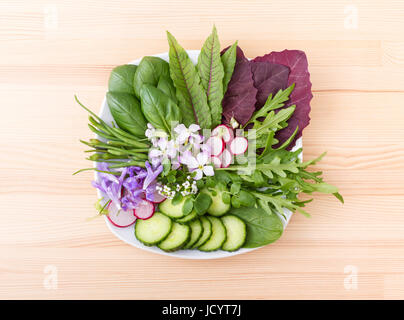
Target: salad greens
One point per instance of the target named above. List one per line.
(211, 72)
(191, 96)
(238, 178)
(158, 108)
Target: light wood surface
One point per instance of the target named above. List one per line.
(51, 50)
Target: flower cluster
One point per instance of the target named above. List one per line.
(185, 148)
(186, 188)
(128, 189)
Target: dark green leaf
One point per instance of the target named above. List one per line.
(158, 108)
(121, 79)
(262, 228)
(149, 71)
(166, 85)
(126, 111)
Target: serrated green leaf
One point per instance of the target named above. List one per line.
(210, 70)
(190, 94)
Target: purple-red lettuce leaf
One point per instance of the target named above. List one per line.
(301, 96)
(240, 97)
(268, 78)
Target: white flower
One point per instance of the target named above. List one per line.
(154, 134)
(198, 165)
(165, 149)
(185, 133)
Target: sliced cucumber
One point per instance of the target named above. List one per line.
(188, 218)
(196, 233)
(174, 211)
(218, 235)
(218, 207)
(153, 230)
(207, 232)
(236, 232)
(178, 236)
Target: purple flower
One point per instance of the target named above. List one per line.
(151, 175)
(129, 188)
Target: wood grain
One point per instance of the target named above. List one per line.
(50, 51)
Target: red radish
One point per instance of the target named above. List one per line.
(216, 145)
(239, 145)
(224, 132)
(144, 210)
(119, 217)
(158, 198)
(226, 158)
(217, 163)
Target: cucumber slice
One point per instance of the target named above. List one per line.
(196, 233)
(218, 207)
(218, 235)
(207, 232)
(188, 218)
(153, 230)
(178, 236)
(173, 211)
(236, 232)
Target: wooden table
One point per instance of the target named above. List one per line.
(51, 50)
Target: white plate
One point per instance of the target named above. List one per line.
(127, 234)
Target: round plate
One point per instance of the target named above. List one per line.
(127, 234)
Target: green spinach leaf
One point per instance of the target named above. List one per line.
(160, 110)
(192, 99)
(127, 113)
(149, 71)
(121, 79)
(166, 85)
(210, 70)
(262, 228)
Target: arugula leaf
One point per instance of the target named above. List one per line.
(229, 61)
(192, 99)
(121, 79)
(273, 122)
(210, 70)
(149, 71)
(125, 109)
(262, 228)
(159, 109)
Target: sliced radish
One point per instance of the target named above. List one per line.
(226, 158)
(144, 210)
(158, 198)
(217, 163)
(224, 132)
(216, 145)
(239, 145)
(119, 217)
